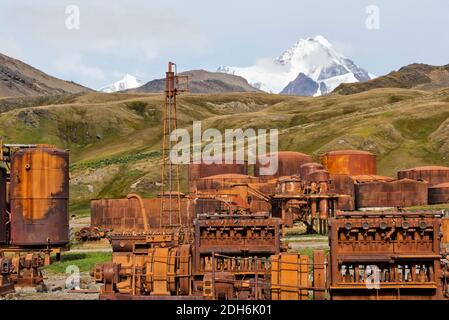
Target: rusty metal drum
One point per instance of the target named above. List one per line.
(432, 174)
(39, 194)
(289, 164)
(351, 162)
(399, 193)
(307, 168)
(203, 170)
(318, 176)
(439, 193)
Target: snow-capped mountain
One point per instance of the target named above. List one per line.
(128, 82)
(312, 67)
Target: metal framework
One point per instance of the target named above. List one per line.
(170, 185)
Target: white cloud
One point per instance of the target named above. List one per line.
(114, 30)
(73, 65)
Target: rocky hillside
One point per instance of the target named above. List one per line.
(201, 81)
(414, 76)
(18, 79)
(114, 139)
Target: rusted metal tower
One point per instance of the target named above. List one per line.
(170, 186)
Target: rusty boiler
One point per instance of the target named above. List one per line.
(399, 193)
(351, 162)
(308, 168)
(203, 170)
(439, 193)
(39, 193)
(432, 174)
(289, 164)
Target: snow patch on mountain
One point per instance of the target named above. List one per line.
(128, 82)
(311, 59)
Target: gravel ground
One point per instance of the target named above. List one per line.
(55, 289)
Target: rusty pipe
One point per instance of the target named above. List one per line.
(142, 209)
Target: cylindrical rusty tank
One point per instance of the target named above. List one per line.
(127, 215)
(351, 162)
(202, 170)
(318, 176)
(223, 181)
(432, 174)
(307, 168)
(39, 194)
(439, 193)
(198, 171)
(343, 185)
(289, 164)
(3, 215)
(399, 193)
(289, 185)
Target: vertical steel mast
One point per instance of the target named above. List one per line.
(170, 184)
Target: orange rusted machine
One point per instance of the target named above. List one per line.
(387, 256)
(6, 282)
(222, 256)
(34, 192)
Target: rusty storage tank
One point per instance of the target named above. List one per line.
(351, 162)
(307, 168)
(432, 174)
(223, 181)
(439, 193)
(3, 214)
(289, 185)
(289, 164)
(202, 170)
(343, 185)
(318, 176)
(398, 193)
(39, 193)
(130, 214)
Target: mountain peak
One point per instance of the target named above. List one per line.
(315, 58)
(127, 82)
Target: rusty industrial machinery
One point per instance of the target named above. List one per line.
(6, 282)
(386, 256)
(91, 233)
(34, 192)
(225, 238)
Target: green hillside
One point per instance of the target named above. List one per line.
(114, 139)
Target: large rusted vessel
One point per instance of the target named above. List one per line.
(350, 162)
(39, 194)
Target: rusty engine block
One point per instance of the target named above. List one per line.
(227, 256)
(386, 256)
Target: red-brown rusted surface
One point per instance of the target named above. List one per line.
(198, 171)
(399, 193)
(385, 256)
(318, 176)
(289, 164)
(343, 185)
(39, 196)
(439, 193)
(307, 168)
(123, 215)
(4, 218)
(351, 162)
(432, 174)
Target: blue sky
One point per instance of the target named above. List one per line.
(140, 36)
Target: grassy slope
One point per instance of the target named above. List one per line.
(115, 139)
